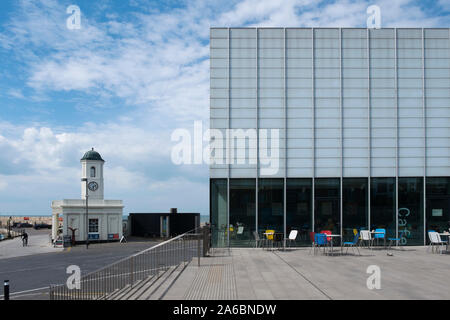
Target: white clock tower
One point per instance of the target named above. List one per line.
(92, 169)
(96, 219)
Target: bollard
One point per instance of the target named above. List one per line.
(6, 290)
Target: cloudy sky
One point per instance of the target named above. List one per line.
(133, 73)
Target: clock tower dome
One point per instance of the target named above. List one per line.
(92, 170)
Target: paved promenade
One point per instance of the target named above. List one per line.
(257, 274)
(37, 243)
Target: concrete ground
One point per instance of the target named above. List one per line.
(257, 274)
(38, 242)
(32, 270)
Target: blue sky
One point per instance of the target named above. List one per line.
(134, 72)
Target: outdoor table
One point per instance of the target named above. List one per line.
(331, 242)
(384, 238)
(448, 239)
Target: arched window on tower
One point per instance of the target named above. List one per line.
(92, 172)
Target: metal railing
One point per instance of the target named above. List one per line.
(127, 272)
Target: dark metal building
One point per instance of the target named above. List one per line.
(162, 224)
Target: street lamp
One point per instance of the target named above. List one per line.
(9, 227)
(87, 220)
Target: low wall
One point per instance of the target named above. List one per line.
(21, 219)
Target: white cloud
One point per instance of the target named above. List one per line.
(16, 93)
(3, 184)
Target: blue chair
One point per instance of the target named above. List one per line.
(353, 244)
(320, 240)
(397, 240)
(380, 235)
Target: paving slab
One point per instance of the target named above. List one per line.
(37, 244)
(256, 274)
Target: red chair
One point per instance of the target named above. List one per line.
(326, 232)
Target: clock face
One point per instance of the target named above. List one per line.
(93, 186)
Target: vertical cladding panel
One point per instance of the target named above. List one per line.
(299, 102)
(243, 86)
(219, 91)
(383, 124)
(271, 96)
(354, 102)
(410, 101)
(437, 101)
(327, 102)
(293, 89)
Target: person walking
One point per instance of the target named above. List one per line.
(24, 239)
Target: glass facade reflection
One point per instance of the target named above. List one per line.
(242, 211)
(438, 204)
(299, 208)
(410, 210)
(218, 207)
(327, 205)
(270, 205)
(382, 201)
(245, 216)
(355, 206)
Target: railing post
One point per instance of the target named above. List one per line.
(131, 270)
(198, 248)
(6, 290)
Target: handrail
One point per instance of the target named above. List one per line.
(141, 252)
(139, 266)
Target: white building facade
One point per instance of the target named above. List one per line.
(363, 119)
(104, 217)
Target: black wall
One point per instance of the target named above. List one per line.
(148, 224)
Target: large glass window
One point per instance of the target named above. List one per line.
(438, 204)
(327, 210)
(270, 205)
(242, 211)
(354, 197)
(410, 210)
(218, 214)
(382, 205)
(299, 208)
(93, 225)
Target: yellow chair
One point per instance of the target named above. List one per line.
(269, 236)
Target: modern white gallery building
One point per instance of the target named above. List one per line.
(363, 124)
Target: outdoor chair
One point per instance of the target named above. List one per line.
(327, 232)
(292, 236)
(353, 244)
(278, 239)
(320, 240)
(436, 242)
(329, 239)
(379, 235)
(430, 245)
(257, 238)
(269, 238)
(365, 237)
(397, 240)
(240, 231)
